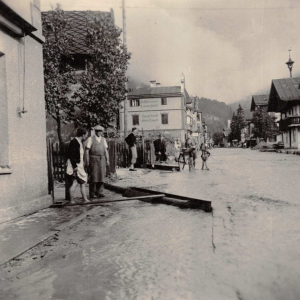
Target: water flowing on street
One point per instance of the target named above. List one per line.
(247, 248)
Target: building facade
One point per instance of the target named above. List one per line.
(23, 155)
(285, 99)
(262, 102)
(196, 124)
(158, 109)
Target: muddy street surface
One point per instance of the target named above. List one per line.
(248, 248)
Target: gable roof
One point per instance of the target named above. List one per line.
(283, 91)
(79, 27)
(159, 92)
(259, 100)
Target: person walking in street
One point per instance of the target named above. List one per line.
(131, 142)
(204, 156)
(97, 159)
(75, 168)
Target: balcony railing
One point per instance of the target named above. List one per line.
(285, 123)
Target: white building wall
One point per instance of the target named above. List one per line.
(150, 116)
(24, 184)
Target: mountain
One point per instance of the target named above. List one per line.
(245, 104)
(217, 114)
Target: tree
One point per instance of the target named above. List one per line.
(58, 74)
(264, 124)
(103, 86)
(237, 124)
(218, 137)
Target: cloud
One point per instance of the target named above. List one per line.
(228, 50)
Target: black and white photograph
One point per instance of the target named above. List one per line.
(149, 149)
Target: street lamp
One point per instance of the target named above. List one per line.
(290, 63)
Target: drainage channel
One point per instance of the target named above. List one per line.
(146, 195)
(167, 198)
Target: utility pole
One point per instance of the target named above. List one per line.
(126, 84)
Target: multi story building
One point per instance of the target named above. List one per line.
(285, 99)
(158, 108)
(262, 102)
(23, 153)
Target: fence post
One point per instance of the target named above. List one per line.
(143, 151)
(50, 169)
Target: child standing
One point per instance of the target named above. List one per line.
(205, 155)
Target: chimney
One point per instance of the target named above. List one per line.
(152, 83)
(157, 83)
(182, 83)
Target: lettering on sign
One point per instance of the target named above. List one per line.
(150, 118)
(149, 103)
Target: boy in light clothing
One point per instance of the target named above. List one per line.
(205, 155)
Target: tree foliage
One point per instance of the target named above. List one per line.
(238, 123)
(264, 125)
(103, 86)
(58, 74)
(218, 137)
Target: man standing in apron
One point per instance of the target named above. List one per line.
(97, 159)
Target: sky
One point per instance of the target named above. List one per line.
(228, 50)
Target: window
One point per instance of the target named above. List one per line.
(163, 101)
(135, 102)
(135, 120)
(164, 119)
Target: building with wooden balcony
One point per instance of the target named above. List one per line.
(285, 99)
(262, 102)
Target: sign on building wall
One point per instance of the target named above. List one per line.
(153, 117)
(150, 103)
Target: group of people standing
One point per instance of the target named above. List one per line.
(192, 153)
(88, 158)
(87, 164)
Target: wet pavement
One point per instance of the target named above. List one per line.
(248, 248)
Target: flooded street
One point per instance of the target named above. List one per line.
(142, 251)
(248, 248)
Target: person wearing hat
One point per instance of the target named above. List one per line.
(96, 160)
(160, 148)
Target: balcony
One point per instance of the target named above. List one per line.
(285, 123)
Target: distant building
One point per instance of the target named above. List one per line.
(285, 99)
(259, 102)
(262, 102)
(158, 108)
(23, 154)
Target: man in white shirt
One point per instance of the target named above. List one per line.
(96, 160)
